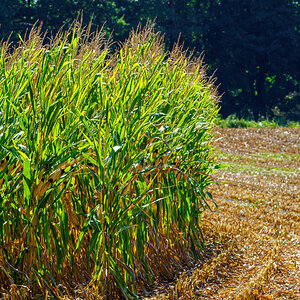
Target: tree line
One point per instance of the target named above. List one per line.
(252, 45)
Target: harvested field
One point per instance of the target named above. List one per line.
(255, 233)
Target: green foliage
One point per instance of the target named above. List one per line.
(104, 162)
(232, 121)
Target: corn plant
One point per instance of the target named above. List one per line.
(104, 162)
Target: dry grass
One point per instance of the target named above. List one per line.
(257, 226)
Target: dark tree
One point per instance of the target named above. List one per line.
(255, 46)
(16, 16)
(54, 13)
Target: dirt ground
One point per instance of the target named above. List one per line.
(255, 231)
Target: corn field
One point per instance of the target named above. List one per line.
(105, 160)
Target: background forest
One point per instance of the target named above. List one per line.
(253, 45)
